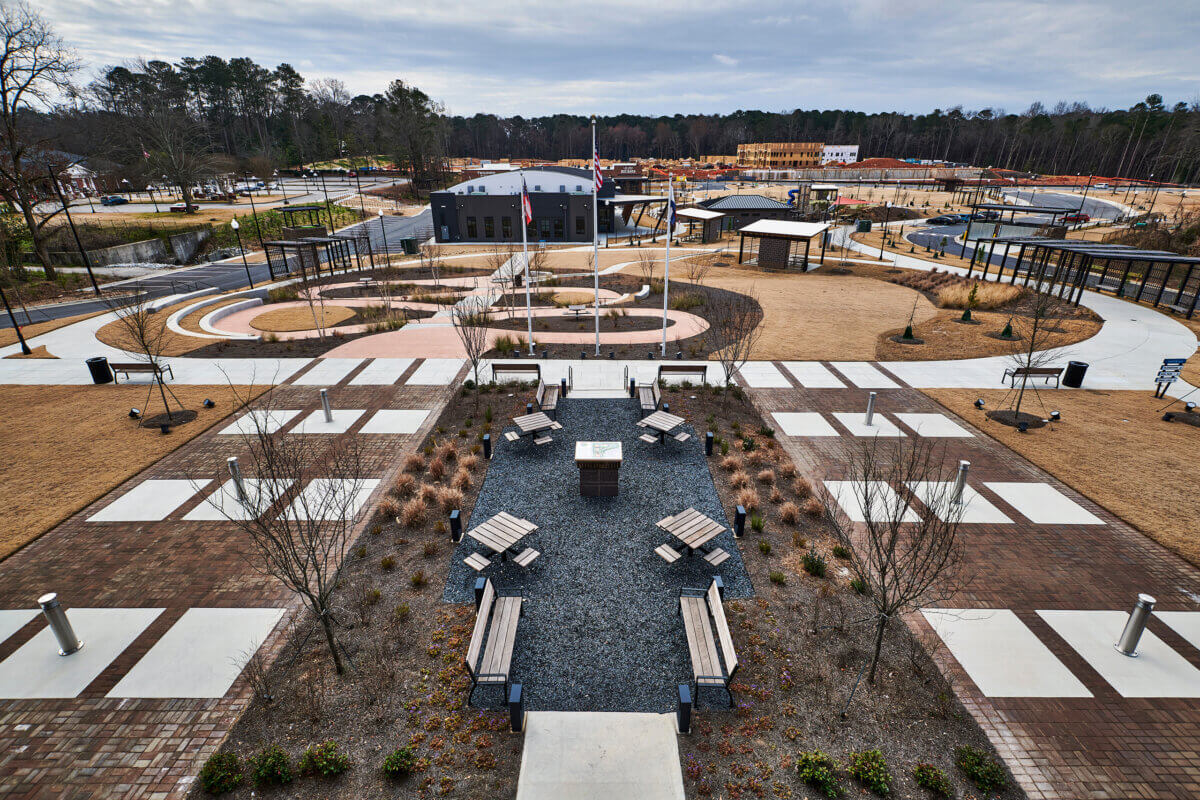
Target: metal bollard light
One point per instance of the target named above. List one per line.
(739, 522)
(325, 405)
(870, 408)
(68, 642)
(708, 443)
(487, 447)
(562, 387)
(960, 481)
(516, 708)
(683, 714)
(666, 408)
(529, 408)
(455, 526)
(480, 585)
(235, 472)
(1142, 609)
(632, 387)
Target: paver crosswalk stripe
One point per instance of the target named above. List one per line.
(1041, 503)
(149, 501)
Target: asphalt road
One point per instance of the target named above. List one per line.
(229, 275)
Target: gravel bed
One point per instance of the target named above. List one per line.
(600, 630)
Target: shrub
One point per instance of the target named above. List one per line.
(778, 578)
(414, 463)
(221, 773)
(404, 486)
(801, 487)
(389, 507)
(748, 499)
(686, 301)
(270, 767)
(869, 768)
(418, 579)
(814, 564)
(387, 563)
(724, 447)
(323, 759)
(927, 776)
(440, 526)
(449, 498)
(819, 771)
(789, 513)
(763, 430)
(983, 770)
(283, 294)
(401, 613)
(437, 468)
(428, 493)
(739, 479)
(757, 523)
(776, 496)
(400, 762)
(987, 296)
(858, 585)
(429, 549)
(461, 479)
(469, 461)
(787, 470)
(798, 541)
(447, 453)
(487, 415)
(731, 463)
(840, 552)
(413, 513)
(813, 507)
(766, 476)
(748, 444)
(764, 547)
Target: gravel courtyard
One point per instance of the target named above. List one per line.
(600, 630)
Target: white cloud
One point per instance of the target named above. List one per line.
(728, 61)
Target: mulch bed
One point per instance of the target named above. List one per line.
(793, 683)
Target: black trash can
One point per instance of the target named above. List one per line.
(1074, 374)
(98, 366)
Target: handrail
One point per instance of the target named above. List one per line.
(570, 377)
(625, 383)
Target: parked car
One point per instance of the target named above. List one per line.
(1076, 218)
(181, 208)
(986, 216)
(113, 200)
(944, 219)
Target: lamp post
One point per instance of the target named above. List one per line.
(254, 213)
(383, 229)
(282, 186)
(128, 189)
(153, 199)
(82, 253)
(328, 208)
(234, 224)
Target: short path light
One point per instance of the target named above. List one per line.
(325, 405)
(208, 403)
(979, 404)
(1134, 627)
(960, 481)
(870, 408)
(134, 413)
(68, 642)
(235, 472)
(1055, 416)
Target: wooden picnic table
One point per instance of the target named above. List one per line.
(501, 532)
(691, 528)
(663, 422)
(532, 423)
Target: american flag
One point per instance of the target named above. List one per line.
(596, 168)
(670, 207)
(526, 207)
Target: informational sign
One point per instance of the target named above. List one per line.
(1168, 373)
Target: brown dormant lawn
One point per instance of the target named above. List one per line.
(66, 446)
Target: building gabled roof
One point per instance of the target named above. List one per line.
(743, 202)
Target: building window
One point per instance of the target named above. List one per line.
(506, 227)
(544, 227)
(489, 227)
(558, 229)
(580, 226)
(472, 230)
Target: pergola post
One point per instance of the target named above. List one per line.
(1081, 281)
(988, 263)
(1163, 286)
(1017, 266)
(807, 245)
(741, 247)
(1145, 280)
(824, 241)
(1104, 275)
(1124, 277)
(1187, 277)
(1192, 307)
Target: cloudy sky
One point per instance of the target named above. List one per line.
(678, 56)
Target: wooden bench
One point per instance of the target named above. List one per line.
(1033, 372)
(696, 370)
(668, 553)
(649, 396)
(496, 618)
(708, 639)
(649, 438)
(576, 311)
(547, 397)
(511, 436)
(477, 561)
(716, 556)
(134, 367)
(525, 557)
(543, 439)
(516, 368)
(682, 436)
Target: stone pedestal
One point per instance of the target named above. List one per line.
(599, 468)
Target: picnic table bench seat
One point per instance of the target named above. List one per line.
(668, 553)
(489, 654)
(477, 562)
(525, 557)
(682, 436)
(546, 396)
(708, 638)
(716, 557)
(128, 368)
(649, 396)
(648, 438)
(511, 436)
(1033, 372)
(543, 439)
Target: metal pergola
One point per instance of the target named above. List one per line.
(1003, 208)
(1068, 266)
(337, 250)
(283, 256)
(360, 240)
(308, 215)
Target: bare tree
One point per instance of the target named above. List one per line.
(734, 328)
(1043, 342)
(35, 66)
(297, 514)
(145, 334)
(697, 267)
(470, 319)
(431, 259)
(310, 291)
(498, 261)
(904, 560)
(646, 262)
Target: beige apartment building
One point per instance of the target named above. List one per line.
(781, 155)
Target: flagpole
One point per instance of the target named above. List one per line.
(667, 260)
(596, 231)
(525, 254)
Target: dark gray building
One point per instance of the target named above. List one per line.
(742, 209)
(488, 209)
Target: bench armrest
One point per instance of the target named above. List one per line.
(691, 591)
